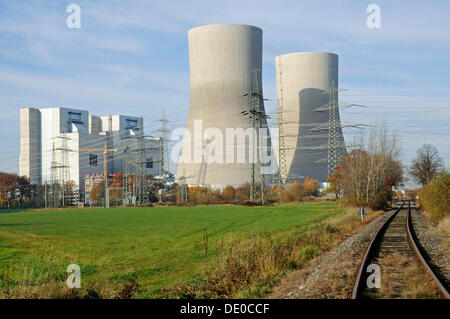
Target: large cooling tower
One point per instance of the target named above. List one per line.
(304, 83)
(223, 61)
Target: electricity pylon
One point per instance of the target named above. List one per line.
(335, 146)
(105, 151)
(164, 153)
(126, 200)
(183, 189)
(203, 167)
(257, 115)
(63, 169)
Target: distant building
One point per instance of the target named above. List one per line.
(52, 139)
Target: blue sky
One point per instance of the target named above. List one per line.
(131, 57)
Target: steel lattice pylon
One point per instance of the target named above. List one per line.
(282, 166)
(335, 137)
(257, 115)
(164, 153)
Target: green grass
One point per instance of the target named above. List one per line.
(156, 246)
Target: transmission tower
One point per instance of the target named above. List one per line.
(136, 157)
(203, 167)
(64, 172)
(335, 146)
(183, 189)
(127, 193)
(335, 138)
(142, 176)
(257, 116)
(110, 144)
(164, 153)
(54, 179)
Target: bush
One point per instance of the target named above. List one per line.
(294, 192)
(435, 196)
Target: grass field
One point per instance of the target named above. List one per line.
(155, 246)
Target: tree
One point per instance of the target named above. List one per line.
(334, 188)
(368, 173)
(243, 192)
(311, 186)
(115, 188)
(229, 193)
(426, 165)
(14, 190)
(98, 193)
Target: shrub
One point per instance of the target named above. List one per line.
(294, 192)
(435, 196)
(311, 186)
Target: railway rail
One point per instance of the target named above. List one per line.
(395, 236)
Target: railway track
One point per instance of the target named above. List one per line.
(394, 252)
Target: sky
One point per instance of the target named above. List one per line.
(131, 57)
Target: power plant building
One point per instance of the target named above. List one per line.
(225, 68)
(52, 142)
(307, 85)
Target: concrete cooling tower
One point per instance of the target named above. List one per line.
(223, 61)
(304, 83)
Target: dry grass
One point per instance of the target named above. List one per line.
(339, 283)
(251, 268)
(403, 277)
(442, 231)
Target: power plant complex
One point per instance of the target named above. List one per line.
(226, 141)
(61, 145)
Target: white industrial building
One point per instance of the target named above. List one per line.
(52, 142)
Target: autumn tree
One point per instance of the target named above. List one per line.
(426, 165)
(334, 187)
(229, 193)
(14, 190)
(243, 192)
(98, 193)
(116, 189)
(311, 187)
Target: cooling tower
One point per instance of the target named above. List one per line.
(223, 61)
(304, 83)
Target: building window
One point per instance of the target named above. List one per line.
(149, 163)
(74, 117)
(131, 123)
(92, 159)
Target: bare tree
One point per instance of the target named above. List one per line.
(426, 165)
(367, 173)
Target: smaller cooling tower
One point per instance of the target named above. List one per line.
(304, 83)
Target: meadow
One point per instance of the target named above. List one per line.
(153, 246)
